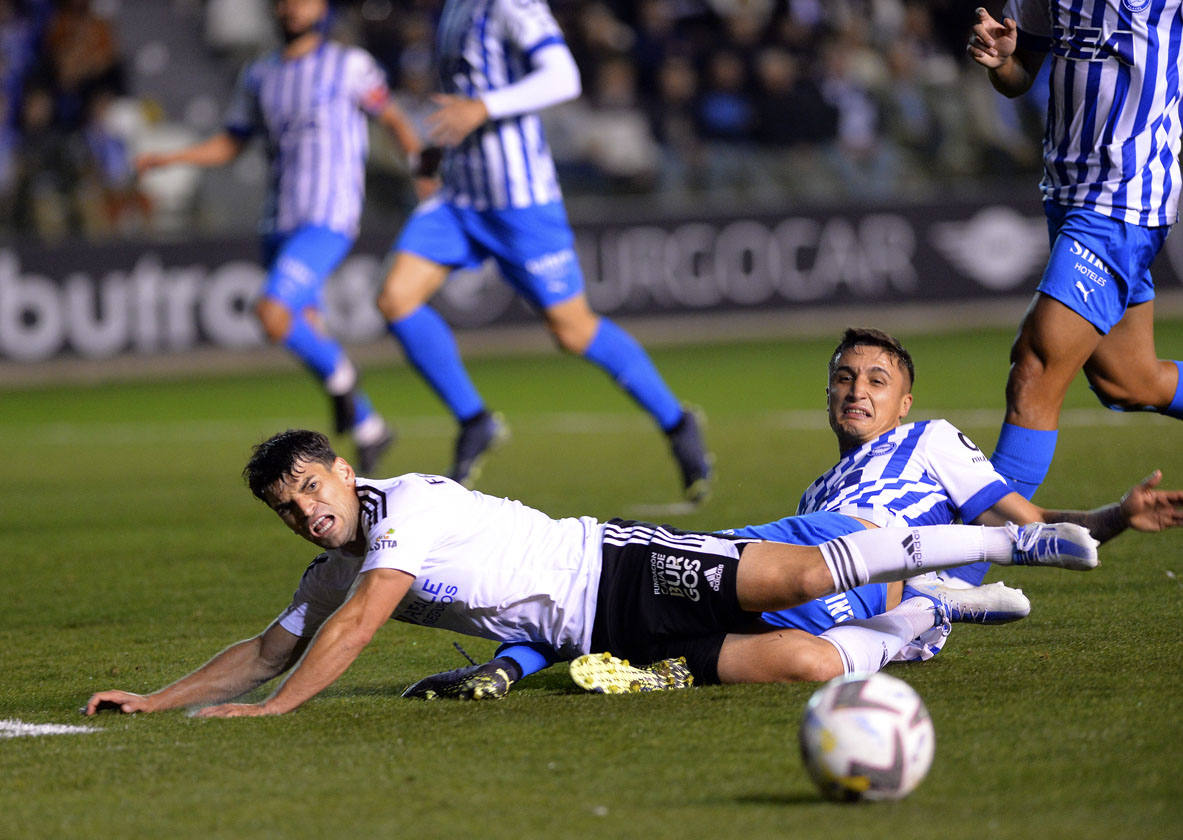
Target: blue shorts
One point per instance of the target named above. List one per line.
(533, 246)
(823, 613)
(299, 262)
(1099, 266)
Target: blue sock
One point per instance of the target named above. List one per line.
(1175, 409)
(431, 349)
(318, 352)
(1023, 456)
(626, 361)
(531, 657)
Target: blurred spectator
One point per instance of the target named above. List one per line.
(672, 116)
(113, 202)
(82, 55)
(48, 170)
(727, 120)
(790, 108)
(619, 141)
(866, 162)
(238, 28)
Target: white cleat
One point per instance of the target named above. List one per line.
(993, 603)
(1061, 544)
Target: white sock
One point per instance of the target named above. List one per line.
(867, 644)
(879, 555)
(369, 430)
(342, 379)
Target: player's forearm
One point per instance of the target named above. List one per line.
(1104, 523)
(232, 673)
(216, 151)
(404, 133)
(554, 79)
(334, 649)
(1016, 74)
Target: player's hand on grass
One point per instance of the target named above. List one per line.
(992, 43)
(124, 702)
(457, 117)
(228, 710)
(1146, 508)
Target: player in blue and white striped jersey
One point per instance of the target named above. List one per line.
(309, 101)
(1111, 188)
(500, 63)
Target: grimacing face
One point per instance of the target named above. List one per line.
(868, 394)
(319, 503)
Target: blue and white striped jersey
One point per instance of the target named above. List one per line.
(1112, 138)
(926, 473)
(312, 112)
(486, 45)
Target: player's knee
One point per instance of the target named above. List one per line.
(569, 338)
(394, 303)
(573, 334)
(275, 318)
(814, 663)
(1119, 397)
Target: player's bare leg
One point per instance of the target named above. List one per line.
(776, 576)
(1125, 371)
(572, 323)
(410, 283)
(1053, 344)
(781, 655)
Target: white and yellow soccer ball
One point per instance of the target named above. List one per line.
(866, 737)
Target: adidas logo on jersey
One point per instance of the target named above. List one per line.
(714, 577)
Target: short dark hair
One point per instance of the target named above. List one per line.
(868, 336)
(278, 457)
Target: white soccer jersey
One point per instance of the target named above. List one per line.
(483, 566)
(312, 111)
(1113, 128)
(925, 473)
(485, 45)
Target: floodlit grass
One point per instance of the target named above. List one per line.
(131, 552)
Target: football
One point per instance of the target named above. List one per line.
(866, 737)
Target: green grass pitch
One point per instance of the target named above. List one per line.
(131, 552)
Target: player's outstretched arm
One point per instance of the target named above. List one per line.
(995, 46)
(236, 670)
(334, 647)
(1143, 508)
(216, 151)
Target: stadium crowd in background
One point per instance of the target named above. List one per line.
(871, 98)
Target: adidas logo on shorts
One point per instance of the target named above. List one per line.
(714, 577)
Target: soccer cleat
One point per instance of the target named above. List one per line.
(477, 437)
(993, 603)
(490, 681)
(1061, 544)
(603, 673)
(693, 459)
(369, 454)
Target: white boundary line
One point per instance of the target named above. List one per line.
(12, 728)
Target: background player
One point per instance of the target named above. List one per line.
(501, 62)
(423, 549)
(1111, 188)
(309, 100)
(889, 474)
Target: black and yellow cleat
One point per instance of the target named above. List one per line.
(604, 673)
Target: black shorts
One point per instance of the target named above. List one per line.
(665, 592)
